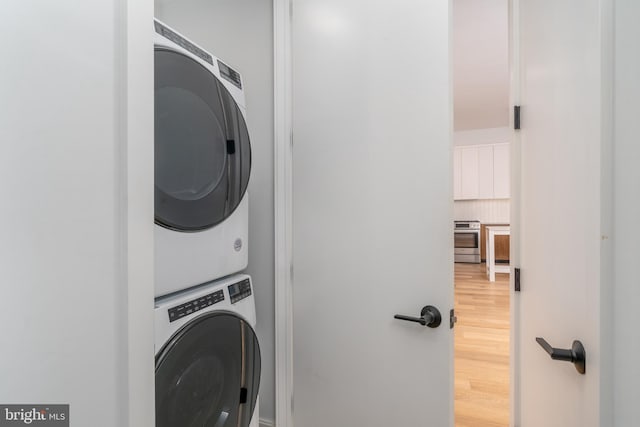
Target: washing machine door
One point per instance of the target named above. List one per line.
(202, 148)
(208, 374)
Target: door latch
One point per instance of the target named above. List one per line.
(452, 318)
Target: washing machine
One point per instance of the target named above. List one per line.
(202, 165)
(207, 356)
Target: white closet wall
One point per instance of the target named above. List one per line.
(76, 178)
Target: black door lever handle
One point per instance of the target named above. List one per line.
(429, 316)
(575, 354)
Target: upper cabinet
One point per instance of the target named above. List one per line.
(501, 172)
(457, 174)
(486, 174)
(469, 172)
(481, 172)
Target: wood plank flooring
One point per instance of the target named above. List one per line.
(481, 348)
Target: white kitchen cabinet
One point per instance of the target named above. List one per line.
(481, 172)
(469, 172)
(501, 172)
(485, 172)
(457, 174)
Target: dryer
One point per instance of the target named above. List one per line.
(207, 356)
(202, 165)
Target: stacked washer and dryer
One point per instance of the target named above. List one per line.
(207, 352)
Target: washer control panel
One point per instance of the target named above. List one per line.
(187, 308)
(239, 291)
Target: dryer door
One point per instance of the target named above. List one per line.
(208, 374)
(202, 148)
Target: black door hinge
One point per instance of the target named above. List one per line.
(452, 318)
(516, 279)
(516, 117)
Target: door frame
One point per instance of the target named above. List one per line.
(283, 212)
(134, 159)
(514, 255)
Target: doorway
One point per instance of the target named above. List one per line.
(574, 160)
(482, 211)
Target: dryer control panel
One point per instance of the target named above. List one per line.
(182, 42)
(239, 291)
(179, 311)
(230, 74)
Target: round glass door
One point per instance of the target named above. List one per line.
(208, 374)
(202, 147)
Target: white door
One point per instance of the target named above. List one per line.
(563, 94)
(373, 213)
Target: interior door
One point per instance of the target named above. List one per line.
(562, 130)
(373, 213)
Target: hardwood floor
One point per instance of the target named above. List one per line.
(481, 348)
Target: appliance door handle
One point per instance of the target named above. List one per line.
(429, 316)
(576, 354)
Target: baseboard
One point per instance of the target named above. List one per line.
(266, 423)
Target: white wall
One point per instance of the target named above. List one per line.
(67, 255)
(480, 63)
(626, 214)
(241, 33)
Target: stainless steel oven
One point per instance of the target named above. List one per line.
(467, 241)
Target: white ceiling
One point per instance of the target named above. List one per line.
(480, 64)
